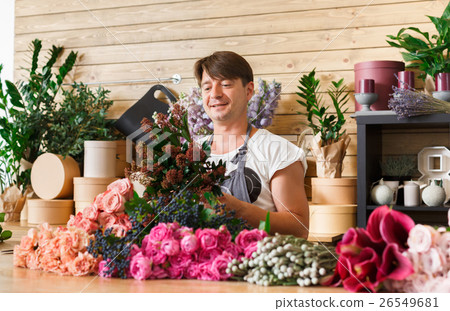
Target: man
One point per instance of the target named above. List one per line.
(266, 171)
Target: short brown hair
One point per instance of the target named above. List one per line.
(224, 65)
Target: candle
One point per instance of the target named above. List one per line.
(366, 86)
(442, 82)
(406, 79)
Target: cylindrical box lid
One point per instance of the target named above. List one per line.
(100, 144)
(94, 180)
(52, 176)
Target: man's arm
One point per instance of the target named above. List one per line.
(288, 193)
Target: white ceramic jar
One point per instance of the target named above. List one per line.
(411, 192)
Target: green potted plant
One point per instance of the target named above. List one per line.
(330, 140)
(428, 53)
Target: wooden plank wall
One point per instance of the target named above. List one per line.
(141, 39)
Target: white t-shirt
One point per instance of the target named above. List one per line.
(267, 153)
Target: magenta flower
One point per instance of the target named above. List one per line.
(395, 227)
(140, 267)
(373, 224)
(394, 265)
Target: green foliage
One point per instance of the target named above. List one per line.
(81, 116)
(399, 166)
(429, 54)
(6, 234)
(25, 118)
(265, 225)
(320, 120)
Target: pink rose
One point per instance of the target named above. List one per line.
(91, 212)
(207, 255)
(192, 271)
(444, 244)
(250, 249)
(208, 238)
(233, 249)
(158, 273)
(106, 220)
(224, 237)
(98, 201)
(246, 237)
(206, 272)
(140, 267)
(419, 239)
(122, 186)
(220, 264)
(182, 260)
(170, 247)
(175, 272)
(157, 256)
(104, 269)
(88, 225)
(189, 244)
(160, 232)
(113, 202)
(433, 261)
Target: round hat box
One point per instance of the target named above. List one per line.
(54, 212)
(331, 219)
(52, 176)
(333, 190)
(121, 157)
(81, 205)
(100, 158)
(87, 188)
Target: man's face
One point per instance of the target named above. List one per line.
(225, 100)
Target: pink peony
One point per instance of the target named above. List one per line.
(123, 186)
(208, 255)
(220, 264)
(182, 232)
(175, 272)
(224, 237)
(250, 249)
(140, 267)
(182, 260)
(158, 273)
(103, 269)
(113, 202)
(206, 273)
(170, 247)
(420, 239)
(189, 244)
(246, 237)
(160, 232)
(233, 249)
(208, 238)
(192, 271)
(156, 254)
(91, 212)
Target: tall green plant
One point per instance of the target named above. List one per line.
(24, 112)
(429, 54)
(320, 120)
(35, 96)
(80, 116)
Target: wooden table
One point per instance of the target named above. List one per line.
(21, 280)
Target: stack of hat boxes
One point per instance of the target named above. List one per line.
(56, 181)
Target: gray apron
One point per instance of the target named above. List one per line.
(236, 184)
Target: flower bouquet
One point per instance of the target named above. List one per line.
(393, 253)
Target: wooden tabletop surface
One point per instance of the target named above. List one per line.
(20, 280)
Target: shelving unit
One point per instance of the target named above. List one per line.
(371, 128)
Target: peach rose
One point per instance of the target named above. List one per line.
(122, 186)
(106, 220)
(420, 239)
(113, 202)
(91, 212)
(98, 201)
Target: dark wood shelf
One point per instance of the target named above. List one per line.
(371, 128)
(421, 208)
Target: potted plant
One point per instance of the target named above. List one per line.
(430, 54)
(330, 140)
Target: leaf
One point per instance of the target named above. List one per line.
(5, 235)
(265, 225)
(2, 217)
